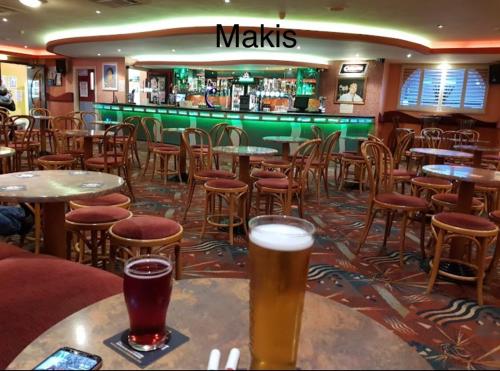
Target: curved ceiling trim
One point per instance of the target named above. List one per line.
(277, 62)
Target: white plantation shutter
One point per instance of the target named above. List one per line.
(411, 87)
(431, 87)
(444, 89)
(475, 91)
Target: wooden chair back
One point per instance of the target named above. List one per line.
(379, 166)
(403, 144)
(431, 137)
(317, 132)
(217, 133)
(25, 136)
(152, 129)
(234, 132)
(202, 160)
(116, 145)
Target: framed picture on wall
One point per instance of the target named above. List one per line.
(110, 76)
(350, 90)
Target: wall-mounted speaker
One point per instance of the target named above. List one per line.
(61, 66)
(495, 73)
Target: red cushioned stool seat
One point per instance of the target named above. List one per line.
(452, 199)
(275, 183)
(432, 181)
(225, 183)
(495, 216)
(215, 174)
(264, 174)
(97, 215)
(397, 199)
(112, 199)
(352, 156)
(403, 173)
(99, 161)
(465, 221)
(146, 228)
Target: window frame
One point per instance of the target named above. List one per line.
(440, 108)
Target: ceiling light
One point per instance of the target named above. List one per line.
(98, 12)
(98, 54)
(5, 19)
(227, 1)
(173, 50)
(298, 47)
(31, 3)
(440, 26)
(409, 55)
(25, 46)
(357, 55)
(119, 50)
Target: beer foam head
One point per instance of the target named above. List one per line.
(162, 268)
(281, 237)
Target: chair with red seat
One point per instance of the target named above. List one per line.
(89, 227)
(492, 270)
(283, 190)
(36, 133)
(200, 162)
(116, 153)
(449, 202)
(146, 235)
(217, 136)
(321, 165)
(23, 141)
(234, 192)
(135, 121)
(478, 231)
(379, 164)
(113, 199)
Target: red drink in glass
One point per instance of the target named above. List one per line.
(147, 288)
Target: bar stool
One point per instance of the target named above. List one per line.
(113, 199)
(449, 202)
(478, 231)
(56, 162)
(147, 234)
(346, 161)
(234, 192)
(96, 220)
(165, 153)
(430, 186)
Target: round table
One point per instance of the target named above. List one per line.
(285, 143)
(52, 189)
(182, 146)
(5, 155)
(441, 154)
(477, 150)
(333, 335)
(88, 139)
(467, 178)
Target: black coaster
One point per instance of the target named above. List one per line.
(119, 343)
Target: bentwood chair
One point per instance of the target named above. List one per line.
(4, 129)
(217, 136)
(166, 153)
(473, 135)
(379, 163)
(135, 121)
(321, 166)
(88, 119)
(41, 112)
(317, 132)
(23, 143)
(116, 155)
(283, 190)
(431, 137)
(153, 131)
(200, 162)
(402, 176)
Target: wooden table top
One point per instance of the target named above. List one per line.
(440, 152)
(284, 139)
(214, 313)
(476, 148)
(245, 150)
(7, 152)
(56, 185)
(490, 178)
(85, 133)
(421, 137)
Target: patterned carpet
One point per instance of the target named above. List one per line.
(448, 328)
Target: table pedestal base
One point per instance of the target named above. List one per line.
(54, 234)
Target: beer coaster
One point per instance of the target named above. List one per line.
(13, 188)
(91, 185)
(119, 344)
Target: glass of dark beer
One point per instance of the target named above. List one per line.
(147, 287)
(280, 247)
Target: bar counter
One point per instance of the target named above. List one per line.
(256, 124)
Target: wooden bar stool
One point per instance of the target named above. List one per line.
(113, 199)
(165, 154)
(479, 231)
(449, 202)
(56, 162)
(430, 186)
(492, 270)
(233, 192)
(147, 235)
(96, 221)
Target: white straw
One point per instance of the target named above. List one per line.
(214, 360)
(232, 361)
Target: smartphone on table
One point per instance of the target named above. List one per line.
(70, 359)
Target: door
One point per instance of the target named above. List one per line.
(86, 89)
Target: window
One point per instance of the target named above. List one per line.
(443, 88)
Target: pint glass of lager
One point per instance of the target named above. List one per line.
(280, 247)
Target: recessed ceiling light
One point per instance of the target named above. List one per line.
(227, 1)
(119, 50)
(5, 19)
(98, 54)
(25, 46)
(298, 47)
(98, 12)
(440, 26)
(409, 55)
(173, 50)
(31, 3)
(357, 55)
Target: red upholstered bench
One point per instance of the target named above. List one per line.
(38, 291)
